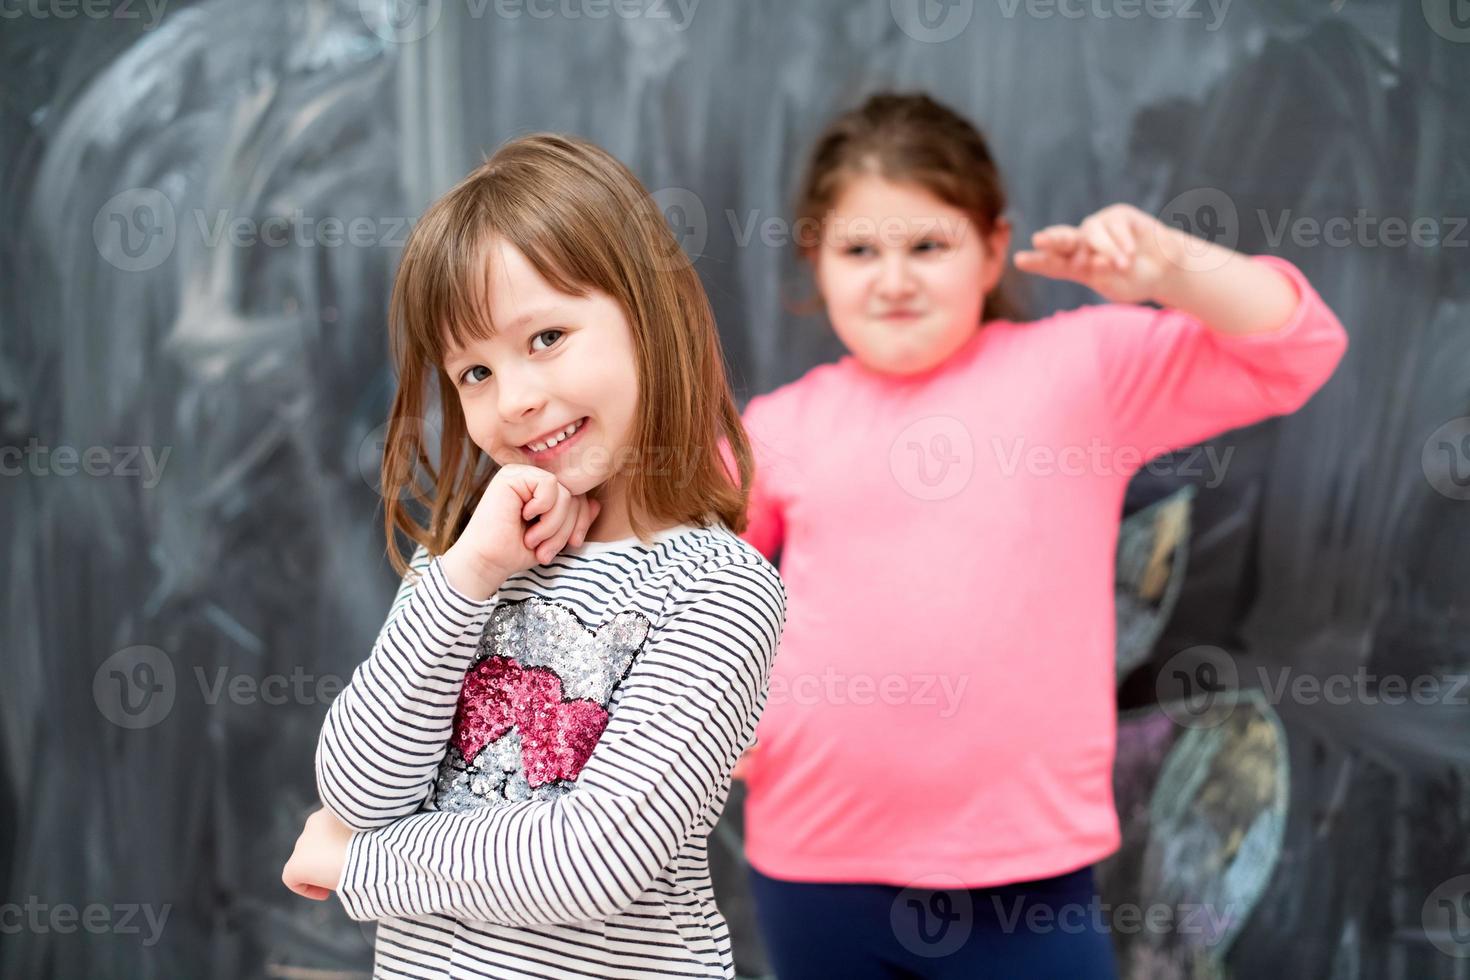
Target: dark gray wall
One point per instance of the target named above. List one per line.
(230, 396)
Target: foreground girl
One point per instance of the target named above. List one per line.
(521, 778)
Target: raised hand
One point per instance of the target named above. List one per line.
(1120, 252)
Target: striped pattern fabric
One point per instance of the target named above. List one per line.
(611, 878)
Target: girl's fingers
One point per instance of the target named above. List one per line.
(560, 535)
(554, 546)
(586, 514)
(1033, 261)
(1126, 231)
(1045, 264)
(543, 496)
(1062, 239)
(551, 520)
(538, 531)
(1101, 239)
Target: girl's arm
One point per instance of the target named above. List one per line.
(766, 529)
(386, 733)
(1171, 381)
(1242, 338)
(661, 768)
(1229, 293)
(766, 526)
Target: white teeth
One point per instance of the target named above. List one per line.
(555, 440)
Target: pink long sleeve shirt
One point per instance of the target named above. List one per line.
(942, 705)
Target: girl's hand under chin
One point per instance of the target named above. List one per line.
(524, 518)
(1120, 252)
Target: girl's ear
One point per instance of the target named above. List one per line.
(997, 246)
(816, 261)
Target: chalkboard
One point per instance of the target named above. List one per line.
(193, 383)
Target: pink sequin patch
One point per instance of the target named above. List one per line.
(557, 737)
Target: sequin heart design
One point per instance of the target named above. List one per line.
(551, 679)
(557, 736)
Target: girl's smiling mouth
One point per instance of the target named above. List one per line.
(555, 444)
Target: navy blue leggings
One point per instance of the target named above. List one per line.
(1033, 930)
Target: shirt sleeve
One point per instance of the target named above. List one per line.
(766, 527)
(1170, 381)
(387, 731)
(662, 767)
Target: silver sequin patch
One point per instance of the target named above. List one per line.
(527, 639)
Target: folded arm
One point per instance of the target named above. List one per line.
(387, 732)
(686, 711)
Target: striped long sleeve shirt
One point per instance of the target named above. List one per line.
(533, 778)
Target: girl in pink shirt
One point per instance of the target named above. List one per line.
(932, 779)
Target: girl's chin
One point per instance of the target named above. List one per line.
(899, 364)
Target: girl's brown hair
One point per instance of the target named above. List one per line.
(908, 138)
(584, 222)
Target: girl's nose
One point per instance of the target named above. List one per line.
(895, 278)
(519, 396)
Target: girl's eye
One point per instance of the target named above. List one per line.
(480, 367)
(929, 245)
(544, 333)
(858, 250)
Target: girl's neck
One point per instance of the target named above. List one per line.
(613, 522)
(608, 527)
